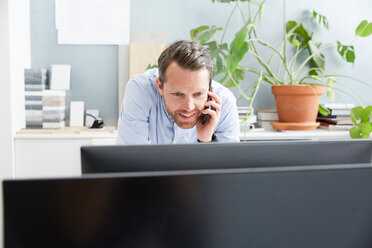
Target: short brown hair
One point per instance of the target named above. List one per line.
(187, 54)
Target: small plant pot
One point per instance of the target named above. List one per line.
(298, 103)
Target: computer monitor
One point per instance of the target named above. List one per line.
(235, 208)
(100, 159)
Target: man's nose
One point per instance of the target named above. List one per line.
(188, 104)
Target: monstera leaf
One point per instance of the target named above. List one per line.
(219, 53)
(297, 34)
(238, 48)
(318, 59)
(204, 33)
(321, 19)
(346, 52)
(237, 77)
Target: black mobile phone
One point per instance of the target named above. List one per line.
(205, 117)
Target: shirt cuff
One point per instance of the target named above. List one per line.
(214, 139)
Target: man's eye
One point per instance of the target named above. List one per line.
(176, 94)
(198, 94)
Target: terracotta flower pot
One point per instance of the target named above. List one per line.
(297, 103)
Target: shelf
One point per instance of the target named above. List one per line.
(317, 134)
(67, 132)
(110, 132)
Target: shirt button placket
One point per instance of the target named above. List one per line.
(175, 133)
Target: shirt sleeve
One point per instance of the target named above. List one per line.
(228, 128)
(133, 123)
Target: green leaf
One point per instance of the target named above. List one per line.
(295, 42)
(331, 89)
(321, 19)
(292, 37)
(365, 129)
(361, 119)
(364, 29)
(204, 33)
(194, 32)
(150, 66)
(346, 52)
(290, 25)
(297, 32)
(355, 133)
(238, 48)
(323, 110)
(366, 114)
(356, 114)
(218, 53)
(318, 58)
(238, 76)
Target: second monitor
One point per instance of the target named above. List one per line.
(139, 158)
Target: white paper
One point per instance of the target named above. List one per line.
(92, 21)
(60, 77)
(93, 37)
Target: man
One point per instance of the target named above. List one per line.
(167, 105)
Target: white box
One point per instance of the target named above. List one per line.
(60, 77)
(76, 114)
(267, 115)
(54, 125)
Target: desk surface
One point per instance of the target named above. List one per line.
(110, 132)
(317, 134)
(67, 132)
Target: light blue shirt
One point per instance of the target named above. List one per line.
(144, 120)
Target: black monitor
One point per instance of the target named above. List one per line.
(232, 208)
(100, 159)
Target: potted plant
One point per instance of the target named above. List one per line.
(300, 70)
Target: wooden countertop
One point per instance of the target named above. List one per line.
(67, 133)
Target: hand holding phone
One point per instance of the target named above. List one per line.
(206, 117)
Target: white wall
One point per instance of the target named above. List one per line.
(6, 150)
(14, 57)
(20, 43)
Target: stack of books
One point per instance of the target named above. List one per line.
(44, 108)
(247, 121)
(35, 79)
(339, 119)
(35, 83)
(265, 117)
(54, 107)
(34, 109)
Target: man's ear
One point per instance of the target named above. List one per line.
(160, 87)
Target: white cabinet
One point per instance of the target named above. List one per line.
(53, 155)
(58, 154)
(316, 134)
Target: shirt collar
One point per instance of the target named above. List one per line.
(163, 106)
(164, 109)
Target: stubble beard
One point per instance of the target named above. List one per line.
(185, 124)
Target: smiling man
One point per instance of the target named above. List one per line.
(167, 105)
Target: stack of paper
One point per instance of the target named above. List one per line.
(265, 117)
(35, 79)
(34, 109)
(339, 119)
(44, 108)
(54, 107)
